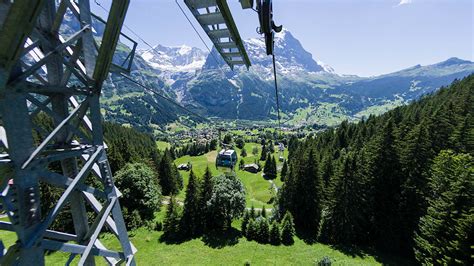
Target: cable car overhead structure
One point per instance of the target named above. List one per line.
(215, 18)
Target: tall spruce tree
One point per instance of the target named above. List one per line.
(342, 223)
(263, 154)
(274, 167)
(415, 158)
(284, 171)
(263, 230)
(171, 221)
(263, 213)
(253, 214)
(245, 223)
(191, 218)
(275, 235)
(270, 167)
(308, 201)
(446, 232)
(168, 175)
(386, 188)
(204, 197)
(252, 230)
(287, 230)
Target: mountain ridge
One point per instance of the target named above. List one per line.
(310, 91)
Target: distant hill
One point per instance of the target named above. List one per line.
(311, 91)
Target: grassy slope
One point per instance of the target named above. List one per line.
(257, 188)
(211, 252)
(162, 145)
(218, 250)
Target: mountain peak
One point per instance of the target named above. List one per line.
(290, 55)
(283, 34)
(181, 58)
(453, 61)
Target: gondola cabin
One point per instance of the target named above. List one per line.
(226, 158)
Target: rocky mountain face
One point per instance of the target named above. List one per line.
(311, 92)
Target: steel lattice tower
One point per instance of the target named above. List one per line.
(61, 76)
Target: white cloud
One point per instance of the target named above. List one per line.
(404, 2)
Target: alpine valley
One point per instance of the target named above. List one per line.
(311, 93)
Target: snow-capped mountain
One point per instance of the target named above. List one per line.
(310, 91)
(291, 57)
(174, 58)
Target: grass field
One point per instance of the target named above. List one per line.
(228, 249)
(215, 250)
(162, 145)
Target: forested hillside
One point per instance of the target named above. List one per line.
(401, 182)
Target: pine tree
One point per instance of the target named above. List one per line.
(274, 168)
(245, 223)
(253, 215)
(271, 147)
(191, 218)
(243, 153)
(171, 221)
(263, 213)
(252, 230)
(241, 164)
(270, 167)
(463, 135)
(263, 154)
(168, 175)
(263, 230)
(275, 235)
(288, 230)
(284, 171)
(309, 196)
(343, 223)
(386, 188)
(446, 232)
(326, 170)
(204, 197)
(227, 139)
(415, 157)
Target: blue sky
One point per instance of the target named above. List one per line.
(362, 37)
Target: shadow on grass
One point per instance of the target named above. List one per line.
(174, 239)
(309, 237)
(266, 177)
(214, 239)
(382, 257)
(220, 239)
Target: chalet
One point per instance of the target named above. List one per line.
(252, 168)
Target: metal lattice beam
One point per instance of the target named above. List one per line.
(42, 71)
(216, 20)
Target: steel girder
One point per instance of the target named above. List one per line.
(43, 73)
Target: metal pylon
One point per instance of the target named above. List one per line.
(42, 71)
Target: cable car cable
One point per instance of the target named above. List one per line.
(132, 31)
(199, 35)
(164, 97)
(153, 48)
(276, 93)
